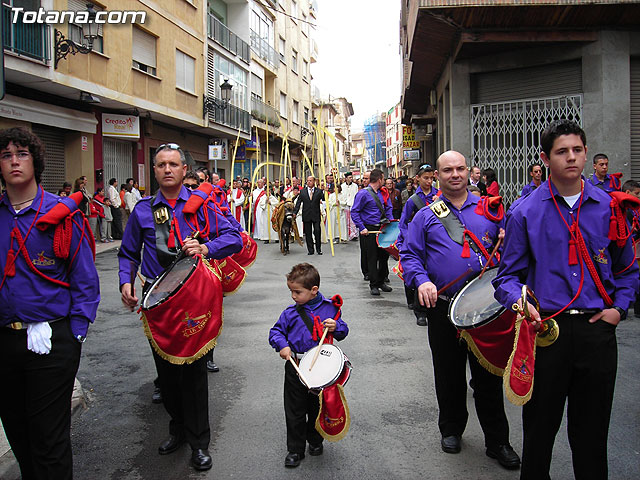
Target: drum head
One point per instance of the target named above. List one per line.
(169, 282)
(474, 304)
(327, 368)
(389, 234)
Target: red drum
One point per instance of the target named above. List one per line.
(388, 236)
(182, 311)
(247, 255)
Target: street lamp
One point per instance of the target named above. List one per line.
(211, 103)
(64, 46)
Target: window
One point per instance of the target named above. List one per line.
(304, 26)
(237, 77)
(76, 32)
(305, 69)
(256, 87)
(283, 49)
(185, 72)
(294, 61)
(283, 105)
(262, 26)
(294, 113)
(294, 10)
(143, 51)
(306, 117)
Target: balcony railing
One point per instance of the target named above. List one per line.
(29, 40)
(221, 34)
(231, 116)
(265, 51)
(264, 113)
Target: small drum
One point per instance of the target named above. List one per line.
(182, 310)
(387, 238)
(474, 304)
(331, 366)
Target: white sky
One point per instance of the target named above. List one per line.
(359, 55)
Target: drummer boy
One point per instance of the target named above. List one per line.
(292, 337)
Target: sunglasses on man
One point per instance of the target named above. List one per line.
(171, 146)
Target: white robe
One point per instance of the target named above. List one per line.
(333, 214)
(237, 202)
(258, 213)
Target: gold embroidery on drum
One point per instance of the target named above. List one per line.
(161, 215)
(601, 257)
(440, 209)
(332, 422)
(196, 324)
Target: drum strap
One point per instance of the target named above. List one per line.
(417, 201)
(305, 317)
(451, 223)
(162, 229)
(383, 214)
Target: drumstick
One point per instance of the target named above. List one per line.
(141, 278)
(495, 249)
(455, 280)
(315, 357)
(295, 365)
(375, 231)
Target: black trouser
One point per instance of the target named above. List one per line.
(185, 395)
(450, 356)
(300, 410)
(581, 366)
(413, 302)
(116, 224)
(364, 266)
(376, 258)
(35, 404)
(308, 225)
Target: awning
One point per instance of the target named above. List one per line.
(25, 110)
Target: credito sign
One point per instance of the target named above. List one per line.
(121, 126)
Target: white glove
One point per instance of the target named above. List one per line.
(39, 337)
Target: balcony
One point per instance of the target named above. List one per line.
(218, 32)
(231, 116)
(27, 40)
(265, 51)
(264, 113)
(313, 55)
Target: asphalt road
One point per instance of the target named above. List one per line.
(394, 433)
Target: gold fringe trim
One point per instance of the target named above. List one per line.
(471, 345)
(180, 360)
(512, 396)
(347, 419)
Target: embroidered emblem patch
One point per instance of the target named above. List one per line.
(194, 325)
(522, 372)
(601, 257)
(486, 238)
(43, 261)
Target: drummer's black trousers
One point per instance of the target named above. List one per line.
(579, 368)
(300, 410)
(185, 394)
(450, 356)
(377, 258)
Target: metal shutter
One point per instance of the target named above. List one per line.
(54, 174)
(117, 158)
(635, 118)
(532, 82)
(144, 48)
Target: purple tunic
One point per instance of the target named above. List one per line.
(27, 297)
(528, 189)
(428, 254)
(291, 331)
(603, 185)
(409, 209)
(365, 211)
(141, 231)
(536, 252)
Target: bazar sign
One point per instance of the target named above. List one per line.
(409, 138)
(121, 126)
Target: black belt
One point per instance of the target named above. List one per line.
(573, 311)
(24, 325)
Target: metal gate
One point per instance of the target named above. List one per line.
(54, 174)
(117, 160)
(505, 136)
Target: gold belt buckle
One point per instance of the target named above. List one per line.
(16, 325)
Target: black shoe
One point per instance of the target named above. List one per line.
(366, 277)
(375, 291)
(505, 456)
(266, 241)
(292, 460)
(315, 450)
(451, 444)
(319, 252)
(386, 280)
(386, 288)
(421, 321)
(200, 459)
(170, 445)
(212, 367)
(156, 397)
(309, 253)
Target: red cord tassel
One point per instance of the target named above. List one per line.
(466, 252)
(613, 230)
(10, 266)
(171, 243)
(480, 207)
(573, 253)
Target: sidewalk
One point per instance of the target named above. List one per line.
(9, 469)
